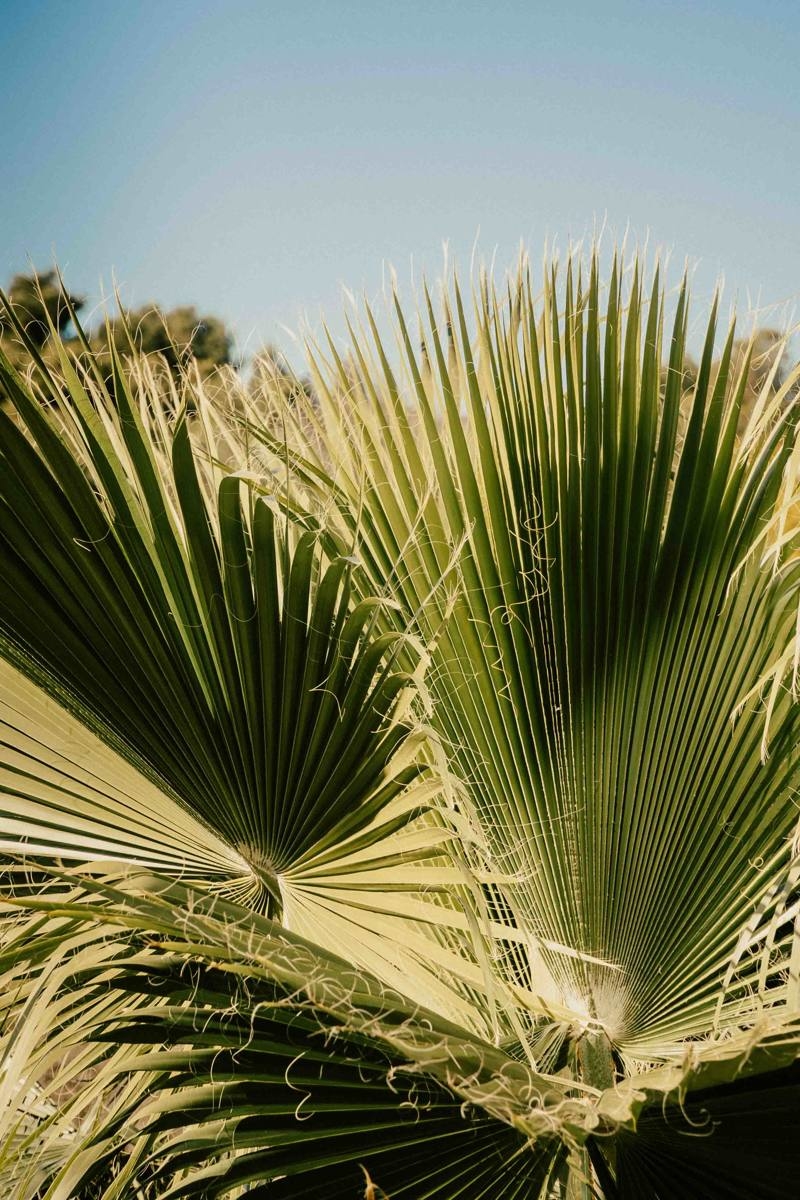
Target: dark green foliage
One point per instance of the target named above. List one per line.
(45, 310)
(740, 1141)
(42, 304)
(178, 336)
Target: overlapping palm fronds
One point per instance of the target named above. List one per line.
(474, 663)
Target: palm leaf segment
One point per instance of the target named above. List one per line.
(611, 612)
(241, 1036)
(599, 571)
(257, 729)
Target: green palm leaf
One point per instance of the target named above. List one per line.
(268, 739)
(259, 1056)
(516, 526)
(611, 611)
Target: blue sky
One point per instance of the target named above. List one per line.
(251, 158)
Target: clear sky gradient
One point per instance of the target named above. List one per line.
(253, 157)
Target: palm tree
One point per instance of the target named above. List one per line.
(407, 767)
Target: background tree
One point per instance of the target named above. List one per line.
(180, 334)
(271, 371)
(766, 371)
(41, 304)
(41, 301)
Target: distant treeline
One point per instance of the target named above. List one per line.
(180, 336)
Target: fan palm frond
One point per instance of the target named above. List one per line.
(475, 660)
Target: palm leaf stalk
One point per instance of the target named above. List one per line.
(476, 662)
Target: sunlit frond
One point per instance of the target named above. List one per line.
(474, 660)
